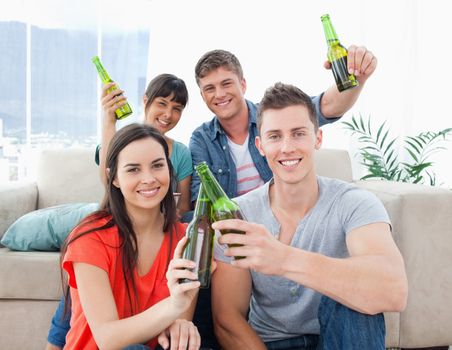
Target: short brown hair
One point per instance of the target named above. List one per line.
(280, 96)
(215, 59)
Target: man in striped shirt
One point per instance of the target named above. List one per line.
(226, 142)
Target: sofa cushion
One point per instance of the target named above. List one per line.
(17, 199)
(25, 323)
(46, 229)
(422, 231)
(333, 163)
(30, 275)
(68, 176)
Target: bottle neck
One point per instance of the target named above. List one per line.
(330, 33)
(211, 186)
(101, 70)
(202, 207)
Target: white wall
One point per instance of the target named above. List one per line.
(284, 41)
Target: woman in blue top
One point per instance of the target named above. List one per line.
(164, 100)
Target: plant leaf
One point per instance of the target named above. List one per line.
(413, 146)
(369, 176)
(415, 139)
(380, 129)
(384, 138)
(367, 148)
(411, 154)
(355, 123)
(389, 146)
(362, 123)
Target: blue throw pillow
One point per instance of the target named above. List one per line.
(46, 229)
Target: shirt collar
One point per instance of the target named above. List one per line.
(252, 115)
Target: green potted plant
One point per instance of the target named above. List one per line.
(380, 156)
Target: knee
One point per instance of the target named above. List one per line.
(344, 328)
(331, 311)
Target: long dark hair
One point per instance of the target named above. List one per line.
(113, 206)
(164, 85)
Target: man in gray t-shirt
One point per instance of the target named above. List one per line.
(320, 263)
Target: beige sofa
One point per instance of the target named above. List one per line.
(30, 284)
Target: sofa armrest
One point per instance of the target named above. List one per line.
(16, 199)
(422, 228)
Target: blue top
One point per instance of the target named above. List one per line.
(209, 143)
(181, 160)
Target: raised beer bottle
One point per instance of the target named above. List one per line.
(222, 206)
(337, 56)
(200, 240)
(122, 111)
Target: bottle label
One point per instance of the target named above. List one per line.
(340, 70)
(198, 249)
(344, 80)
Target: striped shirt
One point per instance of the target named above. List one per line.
(248, 177)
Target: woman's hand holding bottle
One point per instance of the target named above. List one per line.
(181, 334)
(182, 294)
(111, 100)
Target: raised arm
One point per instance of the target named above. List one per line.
(231, 292)
(362, 63)
(110, 102)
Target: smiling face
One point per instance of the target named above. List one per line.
(288, 140)
(223, 92)
(163, 113)
(142, 175)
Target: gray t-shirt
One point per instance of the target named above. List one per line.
(281, 308)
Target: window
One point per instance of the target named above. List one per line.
(49, 87)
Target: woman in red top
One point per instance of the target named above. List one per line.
(122, 261)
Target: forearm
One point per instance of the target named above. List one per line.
(336, 104)
(140, 328)
(188, 315)
(108, 131)
(183, 188)
(231, 293)
(370, 284)
(236, 333)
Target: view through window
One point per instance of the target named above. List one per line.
(49, 87)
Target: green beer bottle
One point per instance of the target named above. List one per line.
(200, 240)
(123, 111)
(222, 206)
(337, 56)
